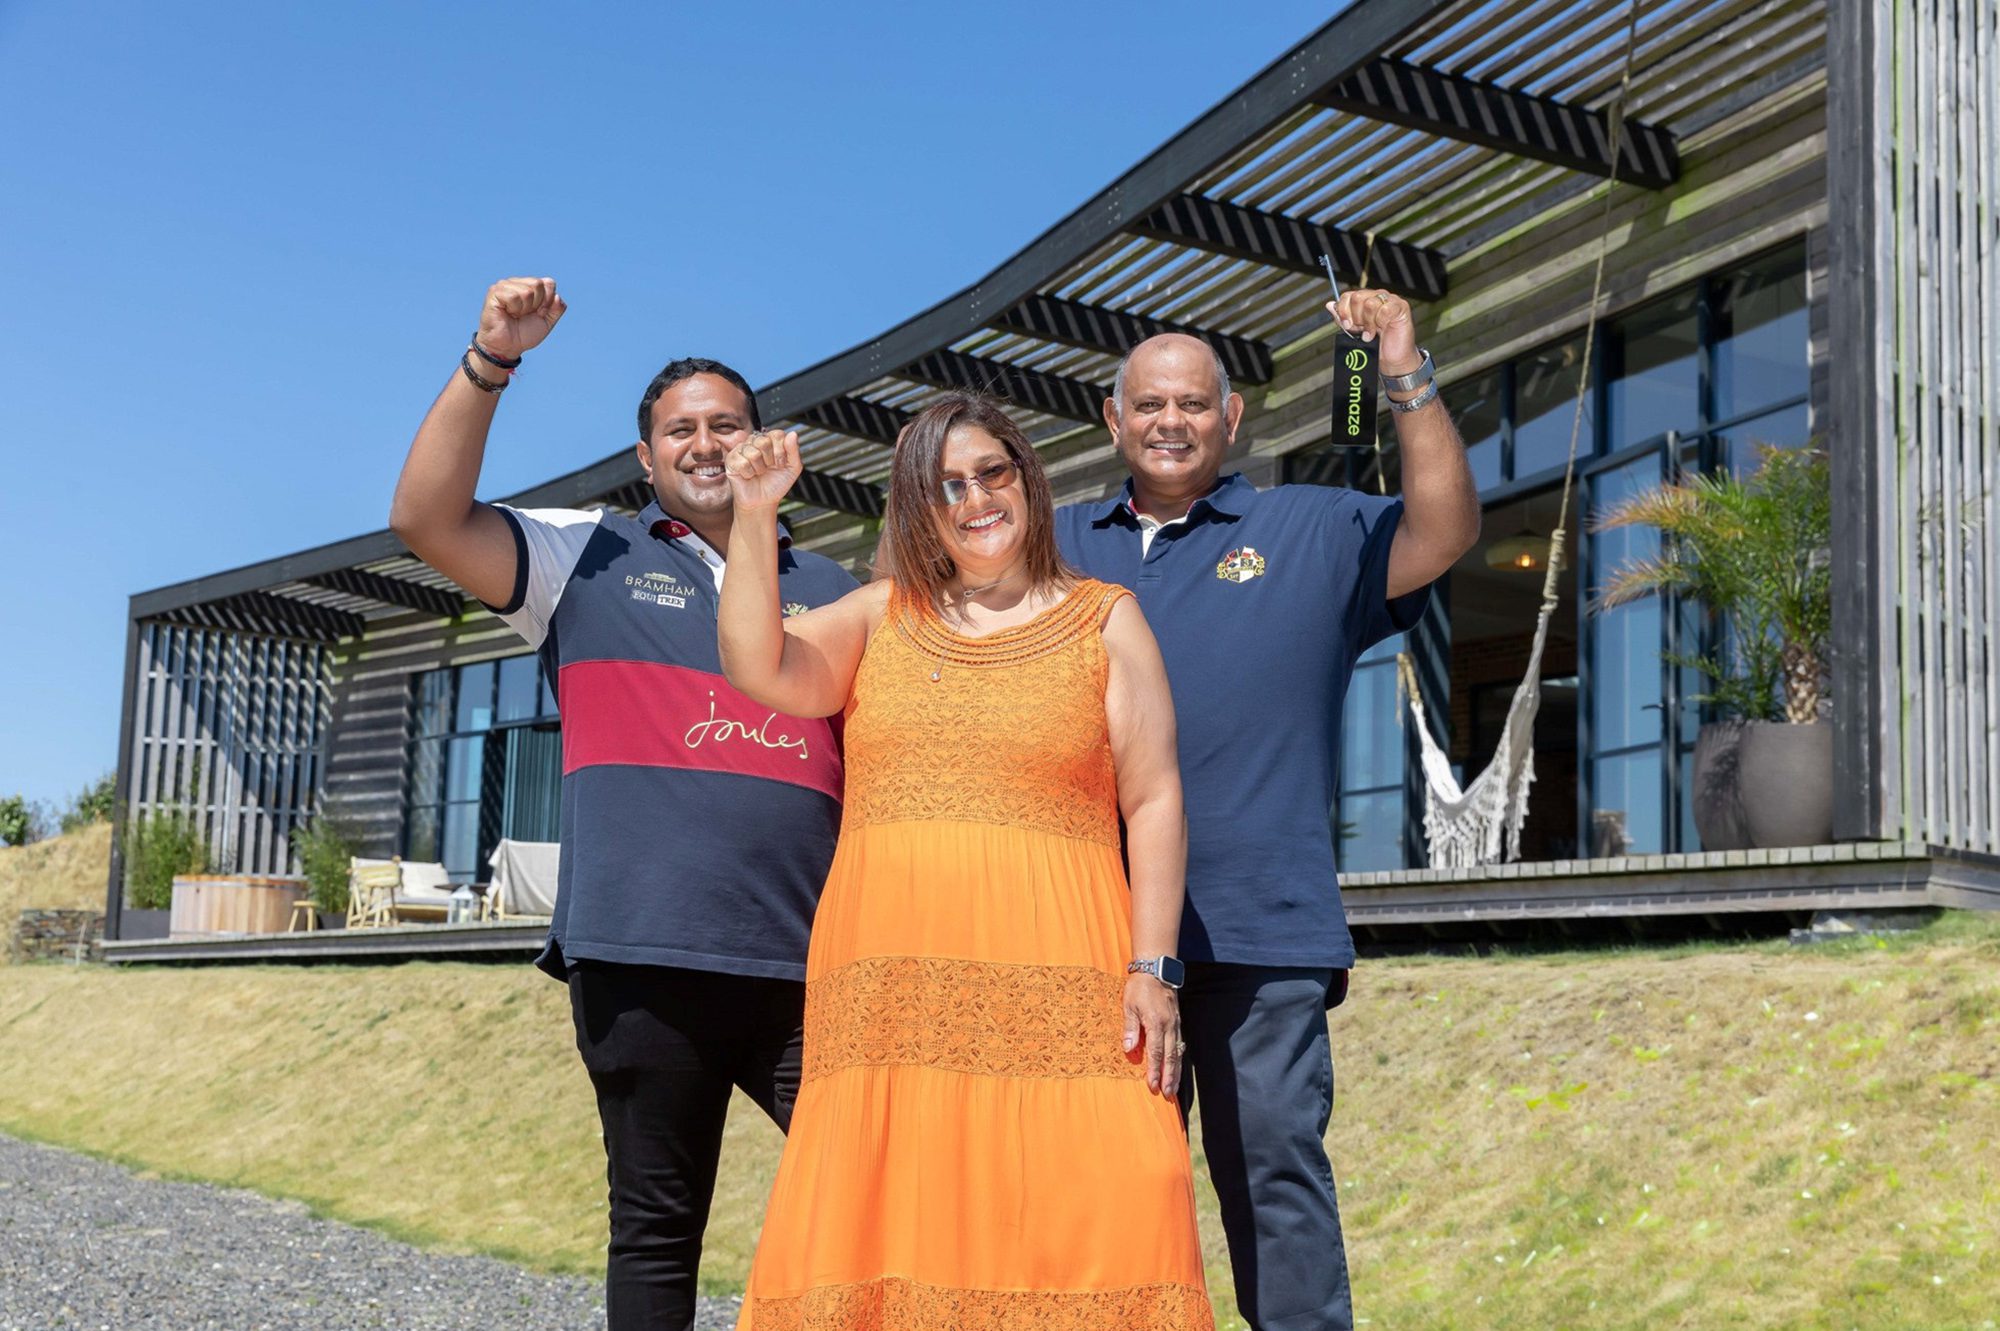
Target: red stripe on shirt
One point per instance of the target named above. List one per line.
(642, 714)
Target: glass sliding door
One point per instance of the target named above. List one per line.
(1625, 682)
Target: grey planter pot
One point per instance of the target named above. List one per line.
(1763, 784)
(1787, 780)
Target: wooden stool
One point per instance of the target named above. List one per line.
(303, 905)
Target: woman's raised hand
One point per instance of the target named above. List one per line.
(763, 468)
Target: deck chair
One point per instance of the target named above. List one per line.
(424, 892)
(371, 892)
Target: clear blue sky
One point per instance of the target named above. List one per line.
(244, 245)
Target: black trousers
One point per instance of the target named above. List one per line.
(664, 1048)
(1260, 1070)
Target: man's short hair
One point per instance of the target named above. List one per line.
(1214, 356)
(686, 368)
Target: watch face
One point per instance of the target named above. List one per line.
(1172, 973)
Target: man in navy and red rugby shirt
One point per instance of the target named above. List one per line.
(1262, 600)
(697, 827)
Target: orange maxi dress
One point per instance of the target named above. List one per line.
(972, 1148)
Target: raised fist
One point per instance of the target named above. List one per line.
(763, 468)
(1376, 314)
(518, 314)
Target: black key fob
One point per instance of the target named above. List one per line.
(1356, 382)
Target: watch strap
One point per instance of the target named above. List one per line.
(1417, 378)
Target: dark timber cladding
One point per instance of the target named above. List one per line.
(1051, 394)
(1294, 243)
(1115, 332)
(1493, 117)
(1865, 790)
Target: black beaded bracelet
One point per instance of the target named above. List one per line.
(492, 359)
(483, 384)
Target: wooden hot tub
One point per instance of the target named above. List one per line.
(217, 905)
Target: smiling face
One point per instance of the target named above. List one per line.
(1172, 425)
(695, 424)
(984, 531)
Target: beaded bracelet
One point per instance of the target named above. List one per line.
(484, 385)
(491, 359)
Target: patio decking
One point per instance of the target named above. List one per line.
(1722, 889)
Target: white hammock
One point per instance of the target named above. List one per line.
(1467, 827)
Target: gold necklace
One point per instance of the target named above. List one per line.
(937, 673)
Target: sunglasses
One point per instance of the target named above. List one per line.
(993, 476)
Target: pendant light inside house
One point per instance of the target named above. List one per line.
(1523, 552)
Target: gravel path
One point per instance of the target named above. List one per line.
(87, 1245)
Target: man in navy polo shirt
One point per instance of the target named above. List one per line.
(697, 827)
(1262, 601)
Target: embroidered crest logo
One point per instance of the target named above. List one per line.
(795, 608)
(1240, 565)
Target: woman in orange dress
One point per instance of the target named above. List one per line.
(985, 1135)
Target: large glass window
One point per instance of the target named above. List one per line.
(1760, 319)
(485, 763)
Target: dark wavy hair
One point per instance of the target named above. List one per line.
(912, 552)
(687, 367)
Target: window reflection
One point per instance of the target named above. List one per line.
(1761, 334)
(475, 697)
(1740, 449)
(1545, 385)
(1479, 407)
(1625, 817)
(1368, 812)
(1627, 682)
(1651, 369)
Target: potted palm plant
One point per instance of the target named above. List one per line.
(1754, 552)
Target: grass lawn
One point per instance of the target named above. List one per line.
(1707, 1136)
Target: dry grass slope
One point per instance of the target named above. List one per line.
(1712, 1138)
(62, 873)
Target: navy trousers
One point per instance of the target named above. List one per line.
(1260, 1071)
(664, 1049)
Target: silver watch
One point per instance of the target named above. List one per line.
(1417, 378)
(1167, 970)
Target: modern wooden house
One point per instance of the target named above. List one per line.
(1804, 246)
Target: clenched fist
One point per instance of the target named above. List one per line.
(518, 314)
(1383, 315)
(763, 468)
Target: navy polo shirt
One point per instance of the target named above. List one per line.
(697, 825)
(1261, 601)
